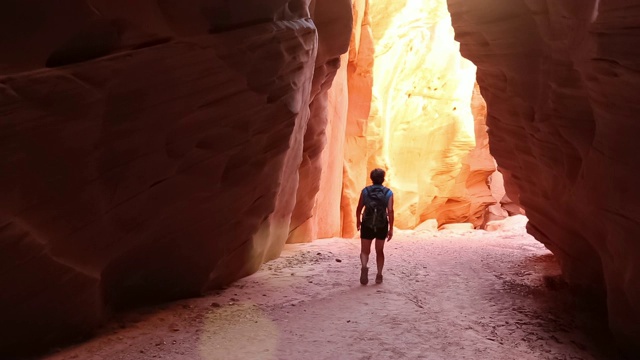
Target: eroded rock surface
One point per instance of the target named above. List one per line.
(561, 80)
(334, 29)
(359, 87)
(412, 112)
(152, 150)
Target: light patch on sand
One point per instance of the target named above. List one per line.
(222, 330)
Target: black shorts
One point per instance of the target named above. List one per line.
(368, 233)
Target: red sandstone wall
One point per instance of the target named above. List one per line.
(359, 85)
(561, 81)
(151, 150)
(334, 30)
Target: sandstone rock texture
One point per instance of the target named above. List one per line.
(414, 112)
(561, 81)
(153, 149)
(359, 88)
(334, 30)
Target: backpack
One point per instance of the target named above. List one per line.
(375, 207)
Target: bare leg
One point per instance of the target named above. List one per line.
(365, 251)
(364, 259)
(379, 259)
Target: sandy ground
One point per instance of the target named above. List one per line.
(446, 295)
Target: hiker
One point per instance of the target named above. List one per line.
(376, 223)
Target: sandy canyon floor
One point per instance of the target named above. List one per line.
(445, 295)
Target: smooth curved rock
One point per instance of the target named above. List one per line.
(150, 150)
(561, 80)
(334, 21)
(461, 227)
(430, 225)
(359, 85)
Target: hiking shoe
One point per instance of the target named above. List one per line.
(364, 276)
(379, 279)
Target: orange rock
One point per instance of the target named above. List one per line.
(334, 20)
(327, 217)
(411, 111)
(359, 82)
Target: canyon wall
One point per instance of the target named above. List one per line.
(157, 149)
(561, 81)
(413, 112)
(151, 150)
(359, 90)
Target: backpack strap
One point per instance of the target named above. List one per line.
(386, 192)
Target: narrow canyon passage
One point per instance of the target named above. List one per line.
(446, 295)
(160, 150)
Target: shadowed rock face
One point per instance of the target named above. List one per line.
(150, 150)
(561, 80)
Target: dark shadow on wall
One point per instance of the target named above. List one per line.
(558, 308)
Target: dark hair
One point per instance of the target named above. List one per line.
(377, 176)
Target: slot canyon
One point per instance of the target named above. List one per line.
(174, 152)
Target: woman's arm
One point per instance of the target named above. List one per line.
(390, 215)
(359, 212)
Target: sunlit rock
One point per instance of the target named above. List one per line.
(429, 225)
(472, 193)
(513, 223)
(326, 214)
(457, 227)
(413, 111)
(359, 84)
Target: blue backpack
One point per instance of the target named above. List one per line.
(375, 207)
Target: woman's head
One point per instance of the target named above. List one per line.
(377, 176)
